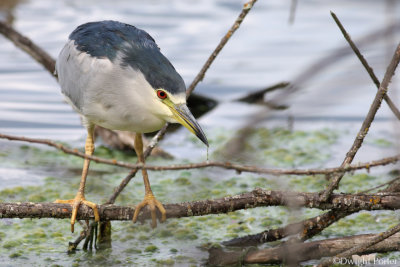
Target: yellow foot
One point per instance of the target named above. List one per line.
(78, 200)
(150, 200)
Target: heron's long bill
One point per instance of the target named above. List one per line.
(183, 115)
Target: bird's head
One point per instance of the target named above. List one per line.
(174, 109)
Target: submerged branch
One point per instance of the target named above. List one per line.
(305, 251)
(304, 230)
(365, 246)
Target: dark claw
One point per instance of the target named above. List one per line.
(92, 235)
(89, 233)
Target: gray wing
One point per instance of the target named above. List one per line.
(72, 68)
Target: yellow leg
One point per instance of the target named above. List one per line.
(149, 198)
(80, 196)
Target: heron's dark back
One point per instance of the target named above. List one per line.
(127, 45)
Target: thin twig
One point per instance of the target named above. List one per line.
(246, 8)
(293, 8)
(366, 124)
(364, 62)
(381, 185)
(361, 248)
(207, 164)
(330, 59)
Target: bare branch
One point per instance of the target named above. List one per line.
(255, 198)
(224, 165)
(364, 62)
(363, 247)
(307, 228)
(304, 229)
(304, 251)
(246, 9)
(366, 124)
(388, 189)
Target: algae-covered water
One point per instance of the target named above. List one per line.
(184, 241)
(316, 129)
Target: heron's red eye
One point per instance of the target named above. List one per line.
(161, 94)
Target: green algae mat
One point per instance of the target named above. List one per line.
(184, 241)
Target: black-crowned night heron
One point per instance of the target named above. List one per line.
(114, 75)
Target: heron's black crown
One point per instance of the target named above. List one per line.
(106, 39)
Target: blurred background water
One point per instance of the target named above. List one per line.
(267, 49)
